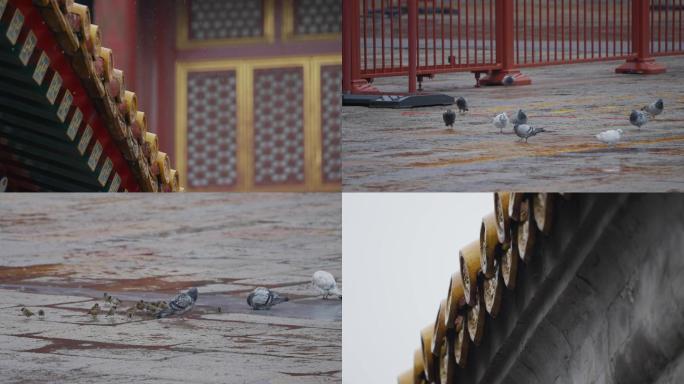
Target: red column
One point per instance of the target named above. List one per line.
(118, 22)
(643, 63)
(347, 33)
(505, 48)
(412, 44)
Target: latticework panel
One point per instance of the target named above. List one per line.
(212, 129)
(331, 111)
(279, 126)
(221, 19)
(314, 17)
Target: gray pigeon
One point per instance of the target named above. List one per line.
(449, 118)
(264, 298)
(654, 109)
(462, 105)
(181, 303)
(508, 80)
(638, 118)
(519, 118)
(524, 131)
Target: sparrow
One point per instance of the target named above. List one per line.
(95, 310)
(26, 312)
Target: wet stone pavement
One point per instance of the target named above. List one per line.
(410, 150)
(61, 253)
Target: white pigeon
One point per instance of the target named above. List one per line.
(3, 184)
(264, 298)
(610, 137)
(638, 118)
(501, 121)
(655, 108)
(325, 283)
(525, 131)
(181, 303)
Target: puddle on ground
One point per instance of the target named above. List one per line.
(17, 274)
(59, 344)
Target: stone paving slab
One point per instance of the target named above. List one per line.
(410, 150)
(60, 253)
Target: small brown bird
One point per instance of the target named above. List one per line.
(111, 311)
(140, 305)
(151, 308)
(95, 310)
(26, 312)
(41, 313)
(219, 309)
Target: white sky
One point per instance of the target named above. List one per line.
(399, 251)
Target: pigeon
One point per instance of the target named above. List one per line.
(610, 137)
(183, 302)
(3, 184)
(462, 105)
(325, 283)
(449, 118)
(654, 109)
(264, 298)
(525, 131)
(520, 118)
(638, 118)
(27, 312)
(508, 80)
(501, 121)
(41, 313)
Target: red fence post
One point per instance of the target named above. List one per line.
(412, 44)
(643, 62)
(505, 48)
(351, 50)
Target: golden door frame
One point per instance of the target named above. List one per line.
(183, 40)
(244, 72)
(287, 29)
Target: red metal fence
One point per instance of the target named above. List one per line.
(418, 38)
